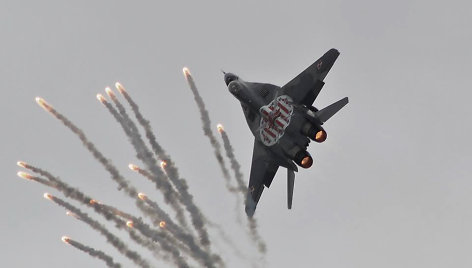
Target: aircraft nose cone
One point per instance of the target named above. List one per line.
(229, 77)
(234, 88)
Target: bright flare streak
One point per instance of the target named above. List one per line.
(220, 128)
(133, 167)
(41, 102)
(110, 92)
(93, 202)
(101, 98)
(163, 164)
(130, 224)
(186, 71)
(65, 239)
(162, 224)
(21, 164)
(142, 196)
(47, 196)
(120, 88)
(24, 175)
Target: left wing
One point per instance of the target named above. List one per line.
(263, 171)
(304, 88)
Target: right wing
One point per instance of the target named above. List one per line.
(263, 171)
(306, 86)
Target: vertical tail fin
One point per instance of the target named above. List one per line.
(290, 184)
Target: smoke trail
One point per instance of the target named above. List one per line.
(255, 235)
(143, 153)
(92, 252)
(109, 212)
(166, 222)
(111, 238)
(115, 174)
(173, 174)
(235, 166)
(204, 116)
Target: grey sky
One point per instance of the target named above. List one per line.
(390, 187)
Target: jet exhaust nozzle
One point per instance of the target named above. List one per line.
(303, 159)
(314, 132)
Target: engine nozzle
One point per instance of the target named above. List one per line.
(303, 159)
(314, 132)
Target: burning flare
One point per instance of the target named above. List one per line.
(133, 167)
(41, 102)
(163, 164)
(186, 71)
(110, 93)
(142, 196)
(220, 128)
(162, 224)
(47, 196)
(65, 239)
(21, 164)
(93, 202)
(120, 88)
(101, 98)
(24, 175)
(130, 224)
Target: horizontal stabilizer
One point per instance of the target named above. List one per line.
(324, 114)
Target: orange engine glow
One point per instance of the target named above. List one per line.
(307, 161)
(321, 136)
(162, 224)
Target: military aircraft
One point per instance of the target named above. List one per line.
(283, 120)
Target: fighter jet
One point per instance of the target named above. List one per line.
(283, 120)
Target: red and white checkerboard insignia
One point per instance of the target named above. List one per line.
(275, 117)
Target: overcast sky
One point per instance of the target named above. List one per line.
(390, 187)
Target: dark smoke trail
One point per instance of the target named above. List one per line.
(204, 116)
(143, 153)
(235, 166)
(255, 235)
(166, 222)
(92, 252)
(111, 238)
(116, 176)
(109, 212)
(173, 174)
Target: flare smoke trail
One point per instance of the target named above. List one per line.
(111, 238)
(143, 153)
(235, 166)
(109, 212)
(92, 252)
(252, 224)
(186, 238)
(204, 116)
(115, 174)
(173, 174)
